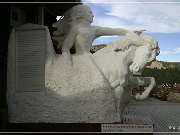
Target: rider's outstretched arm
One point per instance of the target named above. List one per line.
(106, 31)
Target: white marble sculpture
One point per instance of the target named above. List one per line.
(82, 87)
(80, 33)
(119, 66)
(74, 28)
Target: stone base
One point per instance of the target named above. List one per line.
(76, 95)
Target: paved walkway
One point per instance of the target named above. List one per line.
(163, 114)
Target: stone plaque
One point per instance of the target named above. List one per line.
(30, 60)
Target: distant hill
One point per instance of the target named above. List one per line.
(157, 64)
(164, 65)
(97, 47)
(171, 64)
(164, 72)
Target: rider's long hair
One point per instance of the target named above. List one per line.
(69, 19)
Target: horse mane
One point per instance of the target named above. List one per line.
(129, 41)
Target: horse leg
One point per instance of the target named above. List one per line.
(148, 80)
(127, 98)
(118, 99)
(139, 81)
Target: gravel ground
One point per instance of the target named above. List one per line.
(162, 114)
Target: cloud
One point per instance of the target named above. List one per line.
(110, 21)
(167, 52)
(154, 17)
(105, 40)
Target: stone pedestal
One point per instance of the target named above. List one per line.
(77, 94)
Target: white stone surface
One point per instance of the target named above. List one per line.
(75, 29)
(78, 94)
(82, 87)
(119, 66)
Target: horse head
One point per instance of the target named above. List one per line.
(144, 55)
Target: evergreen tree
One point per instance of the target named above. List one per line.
(169, 75)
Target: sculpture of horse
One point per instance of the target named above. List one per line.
(119, 66)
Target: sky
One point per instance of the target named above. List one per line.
(160, 19)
